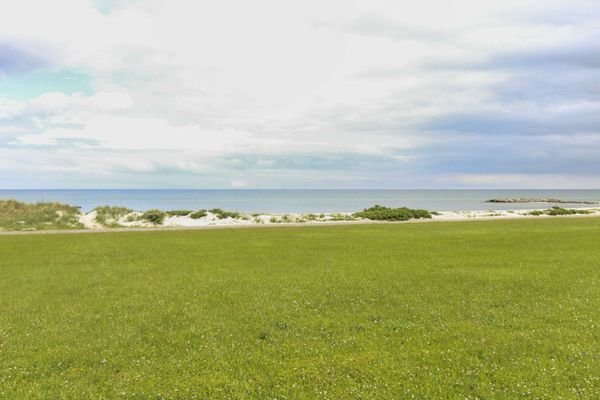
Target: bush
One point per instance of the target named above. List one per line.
(221, 214)
(554, 211)
(564, 211)
(154, 216)
(198, 214)
(380, 213)
(179, 213)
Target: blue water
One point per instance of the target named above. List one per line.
(278, 201)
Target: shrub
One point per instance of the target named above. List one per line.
(564, 211)
(380, 213)
(221, 214)
(154, 216)
(179, 213)
(198, 214)
(554, 211)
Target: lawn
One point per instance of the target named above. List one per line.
(463, 310)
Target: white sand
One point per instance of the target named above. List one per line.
(132, 220)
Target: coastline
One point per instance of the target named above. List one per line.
(182, 223)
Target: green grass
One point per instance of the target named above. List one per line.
(16, 215)
(464, 310)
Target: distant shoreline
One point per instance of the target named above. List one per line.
(297, 200)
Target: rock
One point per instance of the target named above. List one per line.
(539, 200)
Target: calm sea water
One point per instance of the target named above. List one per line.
(277, 201)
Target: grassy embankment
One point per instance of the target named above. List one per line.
(486, 310)
(15, 215)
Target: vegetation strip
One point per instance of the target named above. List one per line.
(17, 216)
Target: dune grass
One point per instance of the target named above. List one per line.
(16, 215)
(109, 216)
(464, 310)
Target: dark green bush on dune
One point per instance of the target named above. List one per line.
(222, 214)
(154, 216)
(565, 211)
(381, 213)
(198, 214)
(179, 213)
(554, 211)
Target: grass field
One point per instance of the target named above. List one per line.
(466, 310)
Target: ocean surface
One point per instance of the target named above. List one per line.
(301, 201)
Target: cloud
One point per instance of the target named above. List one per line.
(392, 93)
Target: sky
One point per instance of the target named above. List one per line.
(300, 94)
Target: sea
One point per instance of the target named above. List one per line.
(298, 201)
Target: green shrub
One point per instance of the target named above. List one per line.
(179, 213)
(198, 214)
(221, 214)
(380, 213)
(154, 216)
(565, 211)
(554, 211)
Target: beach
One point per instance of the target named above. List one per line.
(132, 221)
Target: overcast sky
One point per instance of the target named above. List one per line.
(300, 94)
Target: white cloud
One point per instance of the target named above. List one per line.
(219, 80)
